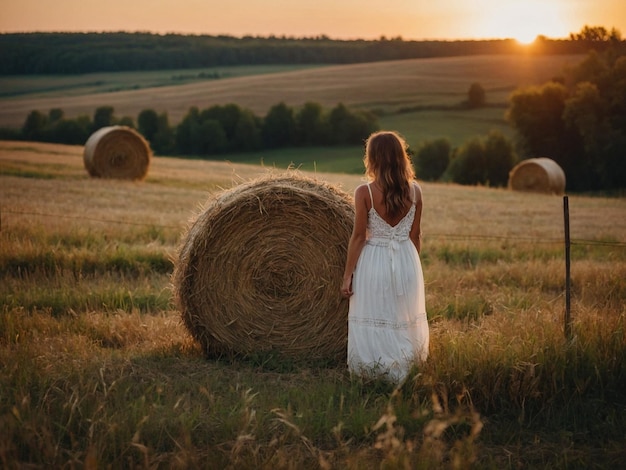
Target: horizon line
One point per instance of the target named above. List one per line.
(381, 37)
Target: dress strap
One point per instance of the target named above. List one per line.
(371, 197)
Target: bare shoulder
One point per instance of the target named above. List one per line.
(361, 196)
(361, 192)
(418, 191)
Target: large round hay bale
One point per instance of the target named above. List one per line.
(117, 152)
(259, 270)
(542, 175)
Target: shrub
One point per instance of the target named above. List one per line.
(148, 124)
(500, 158)
(432, 159)
(34, 126)
(279, 127)
(476, 96)
(483, 160)
(312, 126)
(103, 117)
(350, 127)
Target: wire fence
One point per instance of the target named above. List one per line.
(566, 241)
(447, 236)
(81, 217)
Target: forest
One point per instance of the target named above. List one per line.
(75, 53)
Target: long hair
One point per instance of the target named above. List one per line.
(386, 160)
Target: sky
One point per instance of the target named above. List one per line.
(338, 19)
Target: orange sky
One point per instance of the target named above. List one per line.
(340, 19)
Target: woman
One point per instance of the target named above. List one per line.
(387, 325)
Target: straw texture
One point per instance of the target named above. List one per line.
(117, 152)
(542, 175)
(260, 268)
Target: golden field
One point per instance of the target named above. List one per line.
(98, 371)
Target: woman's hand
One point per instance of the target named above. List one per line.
(346, 287)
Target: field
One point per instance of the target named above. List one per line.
(418, 98)
(387, 87)
(97, 370)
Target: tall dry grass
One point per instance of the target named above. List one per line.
(98, 371)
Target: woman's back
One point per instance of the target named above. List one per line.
(380, 207)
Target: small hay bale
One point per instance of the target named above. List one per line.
(117, 152)
(541, 175)
(259, 270)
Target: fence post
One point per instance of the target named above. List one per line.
(568, 315)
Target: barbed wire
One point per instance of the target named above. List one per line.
(493, 237)
(455, 236)
(93, 219)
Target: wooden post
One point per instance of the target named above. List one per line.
(568, 315)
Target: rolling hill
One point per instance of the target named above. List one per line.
(388, 87)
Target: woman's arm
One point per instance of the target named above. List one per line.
(358, 238)
(416, 229)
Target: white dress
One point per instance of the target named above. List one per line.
(387, 324)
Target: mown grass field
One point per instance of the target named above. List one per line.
(97, 371)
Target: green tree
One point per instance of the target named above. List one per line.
(126, 121)
(535, 112)
(312, 125)
(350, 128)
(279, 127)
(103, 117)
(35, 126)
(593, 68)
(71, 131)
(468, 163)
(500, 158)
(596, 34)
(55, 114)
(483, 160)
(432, 158)
(476, 96)
(148, 124)
(586, 113)
(340, 124)
(247, 135)
(212, 139)
(188, 133)
(163, 139)
(227, 115)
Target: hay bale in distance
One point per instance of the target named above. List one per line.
(117, 152)
(260, 269)
(542, 175)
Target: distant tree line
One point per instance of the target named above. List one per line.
(217, 130)
(73, 53)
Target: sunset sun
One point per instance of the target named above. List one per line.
(524, 22)
(525, 37)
